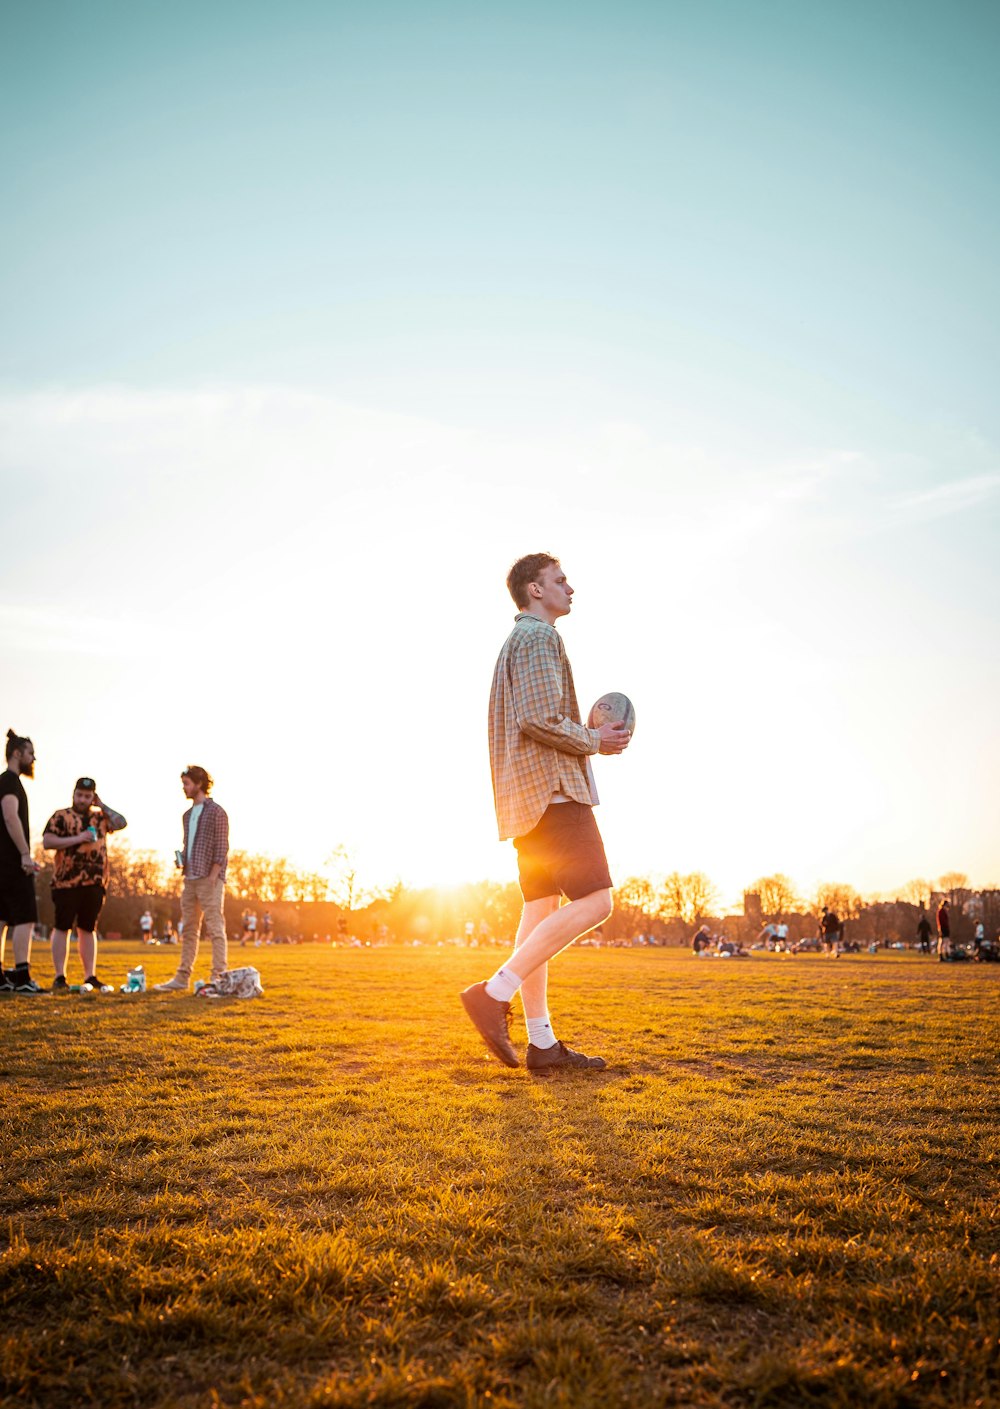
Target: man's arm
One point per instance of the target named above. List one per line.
(116, 822)
(15, 831)
(51, 841)
(56, 838)
(220, 841)
(537, 675)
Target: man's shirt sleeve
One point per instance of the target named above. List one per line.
(220, 840)
(537, 680)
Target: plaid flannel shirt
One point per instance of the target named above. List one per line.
(538, 746)
(211, 841)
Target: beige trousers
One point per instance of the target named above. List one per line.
(201, 899)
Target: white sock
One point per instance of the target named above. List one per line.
(503, 985)
(540, 1032)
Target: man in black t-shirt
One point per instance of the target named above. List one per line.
(18, 910)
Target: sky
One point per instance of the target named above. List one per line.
(316, 316)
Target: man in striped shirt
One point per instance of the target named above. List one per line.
(203, 861)
(543, 790)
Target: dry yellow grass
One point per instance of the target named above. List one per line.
(782, 1192)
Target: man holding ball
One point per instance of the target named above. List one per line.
(544, 793)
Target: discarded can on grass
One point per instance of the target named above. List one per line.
(135, 981)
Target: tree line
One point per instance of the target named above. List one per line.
(320, 903)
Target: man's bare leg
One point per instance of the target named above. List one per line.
(17, 976)
(558, 929)
(21, 938)
(60, 949)
(534, 990)
(488, 1004)
(86, 943)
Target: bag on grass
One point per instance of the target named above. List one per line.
(234, 983)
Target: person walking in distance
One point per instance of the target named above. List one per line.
(77, 835)
(544, 794)
(18, 906)
(203, 861)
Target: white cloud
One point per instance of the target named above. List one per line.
(950, 498)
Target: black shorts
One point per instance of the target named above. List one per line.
(17, 899)
(563, 853)
(77, 905)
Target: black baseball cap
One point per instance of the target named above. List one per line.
(87, 784)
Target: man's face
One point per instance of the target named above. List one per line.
(556, 594)
(83, 800)
(189, 785)
(26, 765)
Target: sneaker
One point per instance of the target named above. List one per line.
(6, 983)
(28, 985)
(561, 1058)
(492, 1018)
(97, 985)
(172, 985)
(60, 984)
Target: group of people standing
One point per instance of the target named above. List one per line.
(77, 835)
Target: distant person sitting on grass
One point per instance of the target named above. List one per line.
(203, 860)
(78, 836)
(18, 906)
(544, 795)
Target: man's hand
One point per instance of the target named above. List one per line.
(28, 866)
(116, 822)
(614, 738)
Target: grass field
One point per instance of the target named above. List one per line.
(782, 1192)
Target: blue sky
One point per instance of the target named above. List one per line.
(703, 296)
